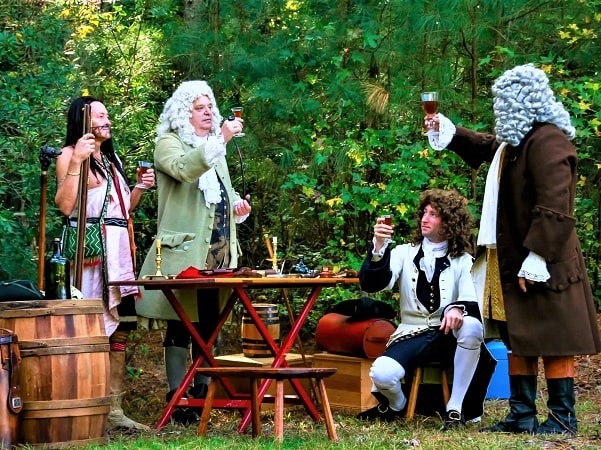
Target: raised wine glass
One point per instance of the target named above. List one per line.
(237, 112)
(430, 104)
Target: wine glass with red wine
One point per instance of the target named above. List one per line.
(430, 104)
(237, 111)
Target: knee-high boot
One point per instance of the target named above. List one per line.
(175, 366)
(116, 417)
(559, 372)
(522, 407)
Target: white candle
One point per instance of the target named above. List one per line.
(275, 239)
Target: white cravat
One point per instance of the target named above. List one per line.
(208, 182)
(432, 250)
(487, 235)
(209, 185)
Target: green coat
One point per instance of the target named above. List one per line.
(184, 223)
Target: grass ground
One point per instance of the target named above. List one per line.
(145, 401)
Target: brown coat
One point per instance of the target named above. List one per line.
(536, 197)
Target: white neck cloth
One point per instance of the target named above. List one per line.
(432, 250)
(209, 185)
(487, 235)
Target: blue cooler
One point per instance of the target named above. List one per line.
(499, 383)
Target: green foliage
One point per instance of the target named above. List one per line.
(331, 97)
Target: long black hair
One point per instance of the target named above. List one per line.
(75, 131)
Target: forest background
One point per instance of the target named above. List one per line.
(331, 97)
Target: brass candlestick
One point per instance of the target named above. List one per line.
(158, 259)
(274, 259)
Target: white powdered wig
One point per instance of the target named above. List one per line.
(522, 96)
(178, 111)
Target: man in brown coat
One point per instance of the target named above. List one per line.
(537, 290)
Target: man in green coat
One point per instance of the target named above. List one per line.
(198, 210)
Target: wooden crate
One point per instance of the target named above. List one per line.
(350, 387)
(242, 385)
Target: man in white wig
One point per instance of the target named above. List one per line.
(536, 289)
(198, 210)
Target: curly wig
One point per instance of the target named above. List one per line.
(456, 221)
(177, 112)
(522, 96)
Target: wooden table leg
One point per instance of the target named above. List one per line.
(279, 410)
(255, 407)
(206, 411)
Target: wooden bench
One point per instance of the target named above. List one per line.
(255, 375)
(418, 375)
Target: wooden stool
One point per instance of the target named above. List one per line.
(417, 381)
(279, 375)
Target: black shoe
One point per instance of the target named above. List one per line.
(526, 425)
(181, 415)
(453, 419)
(554, 426)
(382, 412)
(184, 416)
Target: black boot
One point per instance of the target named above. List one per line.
(182, 415)
(522, 409)
(562, 415)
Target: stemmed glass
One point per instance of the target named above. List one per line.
(237, 112)
(430, 104)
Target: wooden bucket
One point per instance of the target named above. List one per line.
(64, 374)
(253, 344)
(362, 339)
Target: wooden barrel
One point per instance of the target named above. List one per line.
(253, 344)
(64, 373)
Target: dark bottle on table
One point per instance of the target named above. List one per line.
(57, 279)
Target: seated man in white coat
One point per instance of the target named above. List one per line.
(439, 312)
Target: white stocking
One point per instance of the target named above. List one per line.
(469, 338)
(386, 375)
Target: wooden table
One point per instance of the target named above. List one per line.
(240, 288)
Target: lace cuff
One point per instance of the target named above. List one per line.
(461, 307)
(441, 138)
(240, 219)
(534, 268)
(377, 256)
(214, 149)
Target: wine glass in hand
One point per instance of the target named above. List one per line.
(430, 104)
(237, 112)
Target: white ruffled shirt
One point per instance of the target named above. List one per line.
(208, 183)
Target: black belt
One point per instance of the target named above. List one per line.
(111, 221)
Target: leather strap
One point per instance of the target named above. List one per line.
(11, 357)
(132, 244)
(14, 394)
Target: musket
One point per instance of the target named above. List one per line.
(82, 205)
(47, 154)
